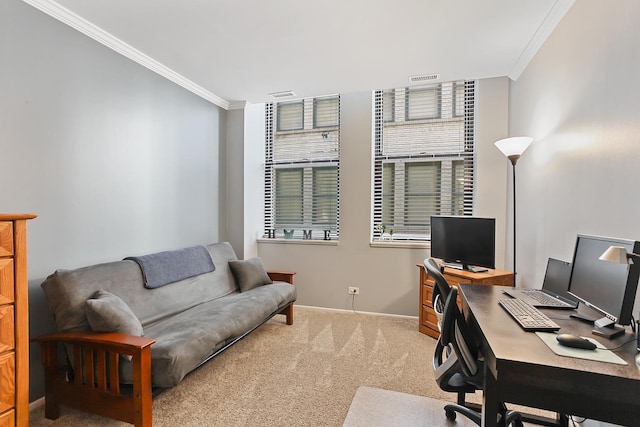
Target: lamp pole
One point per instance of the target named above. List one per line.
(514, 158)
(513, 148)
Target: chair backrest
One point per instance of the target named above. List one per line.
(440, 290)
(456, 334)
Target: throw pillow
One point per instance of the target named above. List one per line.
(106, 312)
(249, 273)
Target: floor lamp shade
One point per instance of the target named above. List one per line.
(513, 149)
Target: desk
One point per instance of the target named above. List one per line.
(521, 369)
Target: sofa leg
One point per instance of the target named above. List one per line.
(51, 407)
(289, 313)
(50, 362)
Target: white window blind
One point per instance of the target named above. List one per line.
(424, 161)
(302, 169)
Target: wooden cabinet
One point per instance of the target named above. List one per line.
(14, 321)
(428, 320)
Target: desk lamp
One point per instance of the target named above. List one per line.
(513, 149)
(619, 255)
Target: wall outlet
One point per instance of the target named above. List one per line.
(354, 291)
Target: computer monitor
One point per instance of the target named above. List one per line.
(608, 287)
(464, 242)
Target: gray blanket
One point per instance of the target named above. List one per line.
(162, 268)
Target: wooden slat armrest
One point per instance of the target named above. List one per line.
(113, 341)
(281, 276)
(91, 381)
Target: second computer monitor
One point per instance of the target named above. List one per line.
(608, 287)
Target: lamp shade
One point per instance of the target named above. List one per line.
(514, 146)
(616, 254)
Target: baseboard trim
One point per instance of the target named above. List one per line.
(368, 313)
(36, 404)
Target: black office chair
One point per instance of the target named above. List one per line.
(440, 293)
(451, 383)
(458, 367)
(440, 290)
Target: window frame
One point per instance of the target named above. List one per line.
(321, 100)
(415, 90)
(455, 163)
(279, 115)
(311, 152)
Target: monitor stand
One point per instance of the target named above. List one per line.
(607, 328)
(465, 267)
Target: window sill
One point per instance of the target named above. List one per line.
(399, 244)
(299, 242)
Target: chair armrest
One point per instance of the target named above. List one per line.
(281, 276)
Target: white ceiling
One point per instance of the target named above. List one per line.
(242, 50)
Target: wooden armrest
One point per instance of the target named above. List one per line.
(91, 381)
(112, 341)
(281, 276)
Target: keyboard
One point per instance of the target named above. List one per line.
(527, 316)
(544, 299)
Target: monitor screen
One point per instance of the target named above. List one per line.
(556, 279)
(469, 241)
(606, 286)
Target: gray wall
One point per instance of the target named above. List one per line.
(114, 159)
(579, 99)
(387, 276)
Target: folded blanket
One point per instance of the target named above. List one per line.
(162, 268)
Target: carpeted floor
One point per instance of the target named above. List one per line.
(375, 407)
(301, 375)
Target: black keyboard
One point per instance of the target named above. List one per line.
(545, 299)
(528, 317)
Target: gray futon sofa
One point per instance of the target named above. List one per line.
(149, 321)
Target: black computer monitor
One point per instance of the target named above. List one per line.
(608, 287)
(464, 241)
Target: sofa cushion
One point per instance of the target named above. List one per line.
(185, 340)
(249, 274)
(106, 312)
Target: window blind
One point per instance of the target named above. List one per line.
(424, 158)
(302, 169)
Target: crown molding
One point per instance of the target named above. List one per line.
(553, 18)
(69, 18)
(237, 105)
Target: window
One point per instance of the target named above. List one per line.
(388, 105)
(290, 116)
(424, 157)
(325, 112)
(423, 103)
(302, 169)
(458, 99)
(289, 196)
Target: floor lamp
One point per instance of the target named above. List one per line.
(513, 149)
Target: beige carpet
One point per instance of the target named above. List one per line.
(301, 375)
(374, 407)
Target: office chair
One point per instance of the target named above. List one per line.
(462, 371)
(440, 290)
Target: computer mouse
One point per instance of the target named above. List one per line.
(569, 340)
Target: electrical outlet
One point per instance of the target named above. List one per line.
(354, 291)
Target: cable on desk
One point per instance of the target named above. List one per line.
(621, 345)
(575, 423)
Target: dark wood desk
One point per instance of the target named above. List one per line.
(521, 369)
